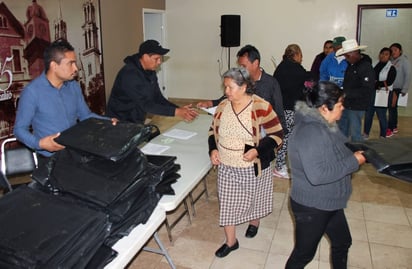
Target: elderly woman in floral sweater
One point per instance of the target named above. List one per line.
(242, 141)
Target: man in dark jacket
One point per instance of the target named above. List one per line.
(266, 86)
(358, 86)
(136, 90)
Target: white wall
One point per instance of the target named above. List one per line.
(193, 35)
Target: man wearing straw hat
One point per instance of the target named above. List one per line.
(358, 86)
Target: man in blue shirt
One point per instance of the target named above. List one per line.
(333, 67)
(51, 103)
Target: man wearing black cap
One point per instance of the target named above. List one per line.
(136, 90)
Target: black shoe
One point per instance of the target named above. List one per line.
(251, 231)
(224, 250)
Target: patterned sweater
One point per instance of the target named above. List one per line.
(263, 117)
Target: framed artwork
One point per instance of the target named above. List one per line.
(27, 28)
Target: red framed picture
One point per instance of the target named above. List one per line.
(27, 28)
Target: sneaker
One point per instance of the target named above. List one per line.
(395, 130)
(365, 136)
(389, 133)
(281, 173)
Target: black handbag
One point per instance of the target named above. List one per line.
(389, 156)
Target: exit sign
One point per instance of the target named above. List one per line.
(391, 13)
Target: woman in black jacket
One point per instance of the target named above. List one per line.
(291, 76)
(385, 76)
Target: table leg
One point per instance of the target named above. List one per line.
(170, 226)
(194, 200)
(161, 251)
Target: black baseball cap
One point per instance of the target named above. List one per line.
(152, 47)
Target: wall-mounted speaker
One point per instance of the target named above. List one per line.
(230, 31)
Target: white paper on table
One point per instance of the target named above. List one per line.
(154, 149)
(403, 100)
(179, 134)
(209, 110)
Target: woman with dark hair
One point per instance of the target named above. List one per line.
(385, 76)
(400, 86)
(327, 49)
(242, 140)
(321, 167)
(291, 77)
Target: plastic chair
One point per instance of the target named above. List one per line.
(15, 160)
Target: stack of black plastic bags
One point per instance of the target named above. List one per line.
(88, 196)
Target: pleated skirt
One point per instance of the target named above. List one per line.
(242, 195)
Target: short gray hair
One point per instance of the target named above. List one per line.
(241, 76)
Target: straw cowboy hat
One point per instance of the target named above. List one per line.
(348, 46)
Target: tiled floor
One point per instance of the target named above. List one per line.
(379, 214)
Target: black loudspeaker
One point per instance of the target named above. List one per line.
(230, 31)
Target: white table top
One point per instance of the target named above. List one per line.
(192, 155)
(128, 246)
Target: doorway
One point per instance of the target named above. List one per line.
(381, 25)
(154, 28)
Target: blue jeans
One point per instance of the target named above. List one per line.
(383, 123)
(311, 224)
(351, 124)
